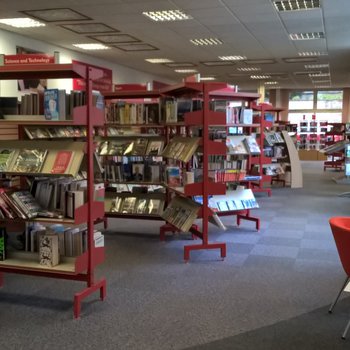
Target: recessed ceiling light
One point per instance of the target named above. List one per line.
(307, 36)
(313, 53)
(179, 64)
(316, 66)
(158, 60)
(260, 61)
(300, 59)
(319, 75)
(218, 63)
(207, 78)
(260, 76)
(185, 71)
(206, 42)
(305, 73)
(91, 46)
(296, 5)
(23, 22)
(321, 81)
(271, 82)
(232, 58)
(248, 69)
(323, 86)
(164, 16)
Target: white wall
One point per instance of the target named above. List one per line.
(124, 75)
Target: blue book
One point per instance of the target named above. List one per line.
(55, 104)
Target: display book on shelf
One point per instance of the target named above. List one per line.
(51, 160)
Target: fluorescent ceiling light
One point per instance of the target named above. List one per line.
(296, 5)
(300, 59)
(23, 22)
(316, 66)
(166, 16)
(260, 61)
(313, 53)
(185, 71)
(271, 82)
(179, 64)
(260, 76)
(321, 81)
(319, 75)
(305, 73)
(248, 69)
(218, 63)
(158, 60)
(91, 46)
(206, 41)
(232, 58)
(323, 86)
(307, 36)
(207, 78)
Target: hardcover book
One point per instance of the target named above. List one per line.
(154, 147)
(251, 145)
(29, 161)
(6, 157)
(55, 104)
(62, 162)
(173, 176)
(49, 250)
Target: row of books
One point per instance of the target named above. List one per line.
(131, 147)
(242, 145)
(275, 152)
(181, 212)
(64, 195)
(168, 110)
(225, 162)
(133, 171)
(21, 204)
(134, 188)
(59, 105)
(33, 160)
(59, 241)
(137, 205)
(35, 132)
(229, 175)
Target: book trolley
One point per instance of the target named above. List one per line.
(80, 268)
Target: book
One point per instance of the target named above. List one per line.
(49, 250)
(6, 157)
(74, 200)
(173, 176)
(152, 113)
(62, 162)
(154, 206)
(235, 145)
(55, 104)
(154, 147)
(251, 145)
(138, 172)
(128, 205)
(141, 206)
(29, 161)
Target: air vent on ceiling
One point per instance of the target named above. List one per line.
(56, 15)
(115, 38)
(89, 28)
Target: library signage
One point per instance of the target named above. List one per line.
(24, 59)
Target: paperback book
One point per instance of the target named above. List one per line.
(29, 161)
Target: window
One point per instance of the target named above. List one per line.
(301, 100)
(329, 99)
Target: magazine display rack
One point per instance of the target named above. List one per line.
(80, 268)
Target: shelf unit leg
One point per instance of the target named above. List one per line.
(249, 218)
(78, 297)
(189, 248)
(1, 279)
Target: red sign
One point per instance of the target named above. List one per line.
(130, 87)
(103, 84)
(31, 58)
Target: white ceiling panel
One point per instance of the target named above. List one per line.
(252, 28)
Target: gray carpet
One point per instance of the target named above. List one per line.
(275, 283)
